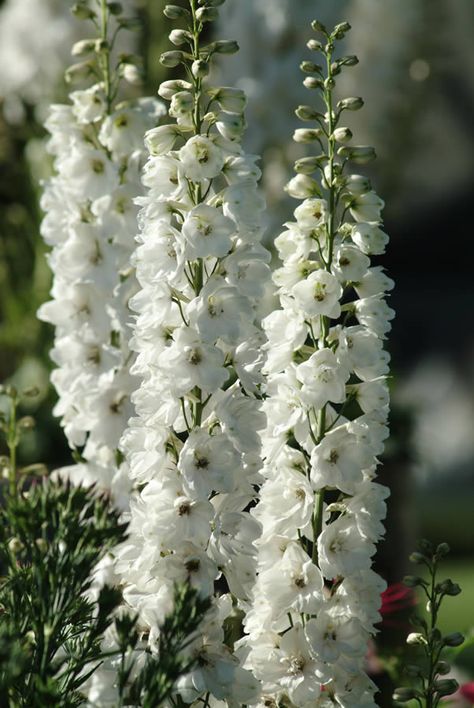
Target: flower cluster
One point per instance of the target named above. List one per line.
(90, 222)
(316, 598)
(193, 446)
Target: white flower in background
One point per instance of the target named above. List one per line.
(90, 224)
(194, 442)
(33, 57)
(316, 599)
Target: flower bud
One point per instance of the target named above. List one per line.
(308, 165)
(358, 184)
(307, 135)
(207, 14)
(303, 187)
(311, 82)
(78, 72)
(447, 587)
(115, 8)
(174, 12)
(360, 154)
(340, 30)
(168, 88)
(442, 668)
(413, 670)
(307, 113)
(171, 59)
(179, 37)
(350, 104)
(342, 135)
(416, 638)
(403, 695)
(83, 12)
(318, 26)
(351, 60)
(161, 139)
(314, 45)
(416, 558)
(225, 46)
(442, 550)
(444, 687)
(425, 547)
(132, 74)
(83, 46)
(453, 640)
(199, 68)
(310, 67)
(211, 3)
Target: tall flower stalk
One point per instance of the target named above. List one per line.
(90, 222)
(193, 445)
(316, 598)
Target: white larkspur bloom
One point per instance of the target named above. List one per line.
(194, 442)
(327, 409)
(90, 223)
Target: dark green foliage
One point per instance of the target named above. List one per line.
(51, 537)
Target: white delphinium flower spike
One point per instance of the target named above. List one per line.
(90, 222)
(193, 444)
(315, 600)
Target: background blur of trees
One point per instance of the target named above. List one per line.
(416, 74)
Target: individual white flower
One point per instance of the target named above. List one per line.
(375, 314)
(350, 264)
(343, 550)
(88, 105)
(201, 158)
(208, 232)
(318, 294)
(339, 460)
(208, 462)
(370, 239)
(366, 207)
(322, 379)
(220, 312)
(311, 214)
(331, 637)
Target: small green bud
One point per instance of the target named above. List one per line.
(82, 12)
(207, 14)
(442, 550)
(308, 165)
(416, 558)
(350, 60)
(307, 113)
(453, 640)
(435, 635)
(442, 668)
(310, 67)
(340, 30)
(115, 8)
(426, 547)
(319, 27)
(314, 45)
(360, 154)
(211, 3)
(311, 82)
(130, 23)
(307, 135)
(444, 687)
(413, 670)
(225, 46)
(403, 695)
(179, 37)
(350, 104)
(175, 12)
(199, 69)
(171, 59)
(447, 587)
